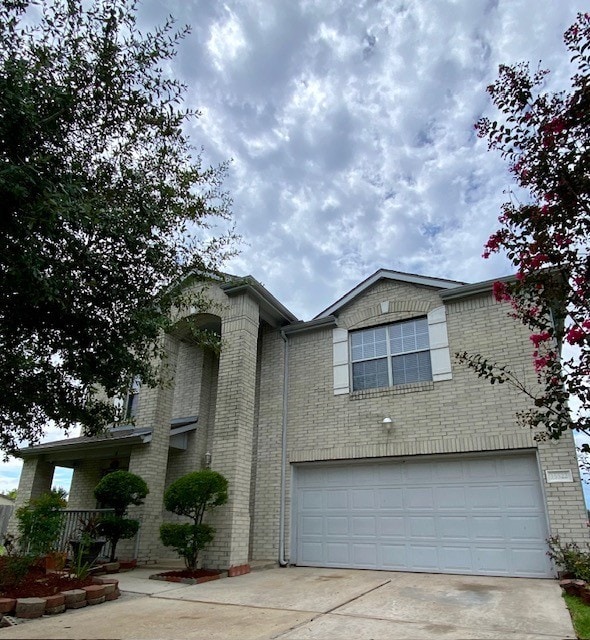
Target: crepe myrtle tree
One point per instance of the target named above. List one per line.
(546, 139)
(106, 208)
(191, 496)
(119, 490)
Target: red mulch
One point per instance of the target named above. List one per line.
(36, 584)
(188, 573)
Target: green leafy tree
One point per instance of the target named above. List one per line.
(106, 208)
(546, 139)
(191, 496)
(39, 523)
(119, 490)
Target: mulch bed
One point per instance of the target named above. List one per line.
(188, 576)
(188, 573)
(37, 584)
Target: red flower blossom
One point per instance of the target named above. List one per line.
(537, 338)
(500, 291)
(576, 335)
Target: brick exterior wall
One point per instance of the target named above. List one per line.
(233, 431)
(464, 414)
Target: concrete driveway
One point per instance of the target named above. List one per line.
(303, 603)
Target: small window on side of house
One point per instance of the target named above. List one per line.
(132, 400)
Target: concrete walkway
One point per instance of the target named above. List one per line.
(303, 603)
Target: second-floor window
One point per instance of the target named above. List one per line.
(390, 355)
(132, 400)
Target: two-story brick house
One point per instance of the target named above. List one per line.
(351, 440)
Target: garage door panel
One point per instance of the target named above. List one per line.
(313, 478)
(338, 553)
(456, 559)
(417, 473)
(525, 528)
(362, 474)
(390, 498)
(394, 556)
(393, 526)
(363, 498)
(454, 527)
(336, 499)
(336, 477)
(521, 496)
(312, 499)
(523, 471)
(313, 552)
(422, 527)
(487, 528)
(419, 498)
(445, 473)
(484, 497)
(492, 560)
(457, 515)
(450, 497)
(390, 475)
(482, 469)
(528, 561)
(364, 526)
(365, 555)
(312, 525)
(337, 525)
(424, 558)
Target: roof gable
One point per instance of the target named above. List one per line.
(386, 274)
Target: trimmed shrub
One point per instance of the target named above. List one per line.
(118, 490)
(191, 496)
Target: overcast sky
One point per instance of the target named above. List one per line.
(350, 126)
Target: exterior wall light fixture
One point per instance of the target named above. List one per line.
(208, 460)
(387, 424)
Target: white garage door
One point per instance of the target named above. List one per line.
(478, 515)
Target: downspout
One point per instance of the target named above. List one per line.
(282, 561)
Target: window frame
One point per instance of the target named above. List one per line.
(389, 356)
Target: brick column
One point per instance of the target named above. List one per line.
(150, 461)
(233, 431)
(35, 479)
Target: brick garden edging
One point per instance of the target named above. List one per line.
(217, 576)
(103, 590)
(232, 572)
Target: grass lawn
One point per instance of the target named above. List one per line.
(580, 614)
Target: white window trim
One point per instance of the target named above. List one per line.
(440, 357)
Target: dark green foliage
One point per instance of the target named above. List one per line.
(196, 492)
(119, 489)
(191, 496)
(570, 558)
(187, 539)
(115, 528)
(39, 523)
(106, 208)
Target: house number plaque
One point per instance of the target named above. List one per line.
(559, 475)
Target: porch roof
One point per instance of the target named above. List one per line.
(126, 436)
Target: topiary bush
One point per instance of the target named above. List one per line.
(191, 496)
(118, 490)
